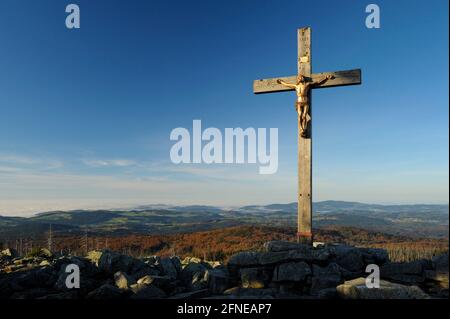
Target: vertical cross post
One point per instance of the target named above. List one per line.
(272, 85)
(304, 232)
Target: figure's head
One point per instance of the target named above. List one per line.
(300, 78)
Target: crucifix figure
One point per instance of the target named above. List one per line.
(302, 105)
(302, 83)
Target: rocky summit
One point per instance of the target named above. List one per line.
(279, 270)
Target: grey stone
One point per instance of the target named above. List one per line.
(319, 284)
(440, 265)
(176, 262)
(350, 258)
(293, 271)
(151, 260)
(357, 289)
(218, 280)
(110, 262)
(194, 276)
(332, 269)
(304, 254)
(279, 245)
(244, 259)
(123, 281)
(309, 255)
(9, 252)
(178, 290)
(147, 270)
(45, 253)
(439, 277)
(271, 258)
(94, 256)
(411, 272)
(410, 268)
(137, 266)
(327, 293)
(87, 271)
(437, 290)
(44, 277)
(168, 268)
(256, 277)
(106, 291)
(135, 288)
(162, 282)
(318, 244)
(216, 264)
(406, 279)
(199, 281)
(143, 291)
(190, 269)
(44, 263)
(60, 283)
(325, 277)
(189, 260)
(20, 261)
(376, 256)
(147, 279)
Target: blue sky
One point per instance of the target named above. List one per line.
(85, 115)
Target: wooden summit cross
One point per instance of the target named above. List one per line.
(302, 83)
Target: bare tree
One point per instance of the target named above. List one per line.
(86, 241)
(50, 238)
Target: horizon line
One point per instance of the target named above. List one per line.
(224, 207)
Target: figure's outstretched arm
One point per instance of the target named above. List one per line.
(289, 85)
(323, 80)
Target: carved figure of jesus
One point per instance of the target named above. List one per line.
(302, 105)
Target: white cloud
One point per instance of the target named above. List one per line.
(108, 162)
(25, 187)
(9, 169)
(26, 162)
(25, 192)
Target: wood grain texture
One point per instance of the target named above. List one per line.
(305, 147)
(341, 78)
(304, 67)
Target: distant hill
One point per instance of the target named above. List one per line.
(409, 220)
(412, 220)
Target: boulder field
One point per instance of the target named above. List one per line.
(279, 270)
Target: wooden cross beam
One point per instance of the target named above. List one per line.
(340, 78)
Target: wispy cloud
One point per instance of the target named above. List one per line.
(30, 189)
(29, 184)
(108, 162)
(16, 159)
(86, 191)
(9, 169)
(19, 162)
